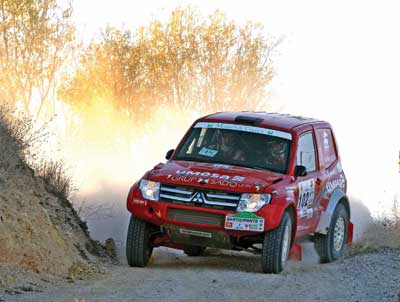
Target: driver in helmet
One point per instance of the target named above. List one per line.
(228, 146)
(277, 154)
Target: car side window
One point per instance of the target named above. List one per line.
(326, 148)
(305, 155)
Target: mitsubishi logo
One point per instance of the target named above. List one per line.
(198, 197)
(203, 181)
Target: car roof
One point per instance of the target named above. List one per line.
(265, 119)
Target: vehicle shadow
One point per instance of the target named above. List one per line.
(213, 259)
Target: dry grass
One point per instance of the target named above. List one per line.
(20, 145)
(55, 176)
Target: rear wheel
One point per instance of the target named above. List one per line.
(276, 246)
(331, 246)
(193, 250)
(139, 246)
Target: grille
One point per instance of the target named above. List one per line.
(199, 197)
(196, 217)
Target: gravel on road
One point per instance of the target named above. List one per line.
(233, 276)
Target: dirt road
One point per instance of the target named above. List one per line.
(231, 276)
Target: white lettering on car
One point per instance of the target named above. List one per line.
(204, 181)
(335, 183)
(220, 182)
(181, 178)
(238, 178)
(192, 173)
(211, 175)
(139, 201)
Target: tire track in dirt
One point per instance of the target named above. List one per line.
(233, 276)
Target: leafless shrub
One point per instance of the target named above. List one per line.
(20, 144)
(55, 176)
(93, 210)
(16, 137)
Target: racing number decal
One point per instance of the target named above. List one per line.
(306, 198)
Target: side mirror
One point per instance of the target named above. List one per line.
(300, 171)
(169, 154)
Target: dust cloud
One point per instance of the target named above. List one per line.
(107, 154)
(106, 160)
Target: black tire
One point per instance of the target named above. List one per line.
(139, 246)
(194, 251)
(325, 244)
(273, 260)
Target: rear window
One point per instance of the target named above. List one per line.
(326, 148)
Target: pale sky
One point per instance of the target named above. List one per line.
(339, 61)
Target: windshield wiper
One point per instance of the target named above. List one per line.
(266, 169)
(201, 160)
(208, 160)
(251, 167)
(191, 158)
(256, 167)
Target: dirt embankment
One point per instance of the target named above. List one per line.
(40, 233)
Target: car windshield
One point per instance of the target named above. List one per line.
(240, 145)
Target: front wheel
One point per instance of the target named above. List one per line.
(276, 246)
(139, 246)
(331, 246)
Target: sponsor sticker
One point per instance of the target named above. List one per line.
(306, 198)
(245, 128)
(139, 201)
(208, 152)
(221, 166)
(195, 233)
(244, 222)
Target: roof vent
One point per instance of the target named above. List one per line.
(248, 119)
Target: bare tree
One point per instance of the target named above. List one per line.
(35, 38)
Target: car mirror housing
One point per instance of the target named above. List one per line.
(169, 154)
(300, 171)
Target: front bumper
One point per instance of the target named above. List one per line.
(163, 213)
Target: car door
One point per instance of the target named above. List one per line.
(307, 187)
(331, 176)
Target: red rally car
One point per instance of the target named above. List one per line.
(246, 181)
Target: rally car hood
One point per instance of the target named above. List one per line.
(214, 176)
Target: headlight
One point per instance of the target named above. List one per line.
(150, 189)
(253, 202)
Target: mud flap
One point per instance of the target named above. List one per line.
(296, 252)
(350, 229)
